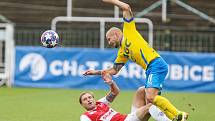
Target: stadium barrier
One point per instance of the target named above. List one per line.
(165, 39)
(63, 68)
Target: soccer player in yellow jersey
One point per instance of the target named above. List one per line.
(132, 46)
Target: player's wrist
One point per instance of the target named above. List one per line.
(99, 72)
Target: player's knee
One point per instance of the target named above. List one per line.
(151, 94)
(150, 98)
(141, 91)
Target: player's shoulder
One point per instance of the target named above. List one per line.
(128, 20)
(103, 100)
(129, 26)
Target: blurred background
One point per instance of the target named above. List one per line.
(33, 77)
(183, 30)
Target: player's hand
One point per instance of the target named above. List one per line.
(107, 78)
(89, 72)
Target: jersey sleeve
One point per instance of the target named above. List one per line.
(84, 118)
(104, 100)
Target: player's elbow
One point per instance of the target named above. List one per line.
(117, 92)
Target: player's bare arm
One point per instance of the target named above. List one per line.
(99, 72)
(114, 89)
(127, 13)
(112, 71)
(92, 72)
(117, 67)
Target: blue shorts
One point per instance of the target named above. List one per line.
(156, 73)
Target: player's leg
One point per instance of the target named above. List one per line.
(155, 76)
(139, 101)
(152, 90)
(141, 112)
(155, 113)
(152, 93)
(139, 97)
(168, 108)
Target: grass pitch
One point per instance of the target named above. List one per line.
(33, 104)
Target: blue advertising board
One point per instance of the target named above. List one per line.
(63, 68)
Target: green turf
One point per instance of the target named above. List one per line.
(29, 104)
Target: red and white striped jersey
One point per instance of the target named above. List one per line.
(102, 112)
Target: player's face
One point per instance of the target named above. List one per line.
(112, 39)
(88, 101)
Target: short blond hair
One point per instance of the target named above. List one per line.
(83, 93)
(114, 29)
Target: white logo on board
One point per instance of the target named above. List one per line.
(35, 64)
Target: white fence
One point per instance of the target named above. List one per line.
(102, 21)
(6, 53)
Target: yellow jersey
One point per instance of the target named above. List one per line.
(134, 47)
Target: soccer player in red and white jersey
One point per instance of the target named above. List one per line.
(101, 111)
